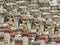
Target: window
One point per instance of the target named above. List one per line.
(59, 2)
(9, 8)
(51, 0)
(17, 0)
(1, 19)
(44, 4)
(54, 8)
(59, 10)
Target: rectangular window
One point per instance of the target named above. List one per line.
(44, 4)
(1, 19)
(54, 8)
(51, 0)
(59, 2)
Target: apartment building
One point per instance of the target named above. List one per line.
(59, 6)
(29, 22)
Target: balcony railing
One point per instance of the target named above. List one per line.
(44, 7)
(10, 3)
(43, 1)
(20, 1)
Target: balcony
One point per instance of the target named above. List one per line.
(59, 6)
(32, 5)
(8, 1)
(54, 7)
(43, 1)
(46, 13)
(26, 16)
(20, 2)
(44, 7)
(14, 13)
(33, 1)
(53, 3)
(54, 11)
(10, 4)
(34, 10)
(56, 18)
(23, 7)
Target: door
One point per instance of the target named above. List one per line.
(1, 39)
(19, 43)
